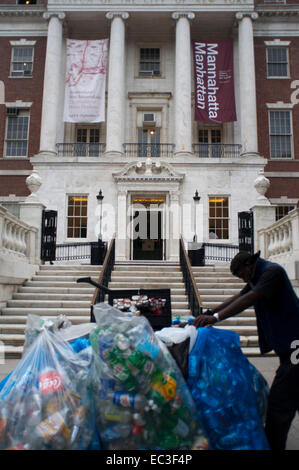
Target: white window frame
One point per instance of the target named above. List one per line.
(286, 107)
(24, 112)
(22, 44)
(137, 61)
(67, 217)
(279, 44)
(216, 240)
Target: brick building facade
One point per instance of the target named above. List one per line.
(24, 29)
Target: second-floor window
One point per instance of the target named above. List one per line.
(277, 62)
(17, 130)
(21, 62)
(88, 139)
(280, 134)
(149, 62)
(209, 141)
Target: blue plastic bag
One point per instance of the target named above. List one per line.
(229, 393)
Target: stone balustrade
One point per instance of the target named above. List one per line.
(280, 243)
(18, 253)
(16, 237)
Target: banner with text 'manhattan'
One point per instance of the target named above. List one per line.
(214, 81)
(85, 81)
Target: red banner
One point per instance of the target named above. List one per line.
(214, 81)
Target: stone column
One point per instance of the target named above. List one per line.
(183, 57)
(175, 227)
(247, 83)
(116, 83)
(51, 83)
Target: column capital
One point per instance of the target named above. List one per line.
(122, 14)
(176, 15)
(48, 15)
(240, 15)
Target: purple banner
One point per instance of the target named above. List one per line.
(214, 81)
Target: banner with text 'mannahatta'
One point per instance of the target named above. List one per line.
(214, 81)
(85, 81)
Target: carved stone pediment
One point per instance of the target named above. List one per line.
(148, 170)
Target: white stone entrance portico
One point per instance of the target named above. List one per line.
(148, 178)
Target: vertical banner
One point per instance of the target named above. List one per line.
(214, 81)
(85, 81)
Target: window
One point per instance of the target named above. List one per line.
(149, 62)
(21, 62)
(149, 142)
(17, 129)
(209, 142)
(277, 62)
(218, 218)
(88, 139)
(280, 134)
(77, 217)
(281, 211)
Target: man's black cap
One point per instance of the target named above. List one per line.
(242, 259)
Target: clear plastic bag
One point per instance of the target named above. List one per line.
(229, 392)
(143, 400)
(47, 401)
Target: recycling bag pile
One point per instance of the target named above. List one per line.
(114, 385)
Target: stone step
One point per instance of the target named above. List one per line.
(59, 290)
(26, 296)
(65, 274)
(19, 320)
(143, 269)
(168, 278)
(70, 267)
(146, 285)
(145, 274)
(48, 303)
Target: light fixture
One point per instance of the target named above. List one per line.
(152, 132)
(196, 199)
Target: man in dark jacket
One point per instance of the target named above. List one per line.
(276, 304)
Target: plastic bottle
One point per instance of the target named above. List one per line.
(115, 432)
(118, 414)
(136, 401)
(120, 369)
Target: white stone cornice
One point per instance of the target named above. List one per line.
(122, 14)
(183, 14)
(22, 42)
(48, 15)
(240, 15)
(21, 12)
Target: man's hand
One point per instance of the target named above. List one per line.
(204, 320)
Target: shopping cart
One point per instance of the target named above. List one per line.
(154, 304)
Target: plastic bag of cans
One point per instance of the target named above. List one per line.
(230, 393)
(47, 401)
(143, 401)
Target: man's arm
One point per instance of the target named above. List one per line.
(237, 304)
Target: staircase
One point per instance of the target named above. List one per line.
(153, 275)
(215, 285)
(51, 292)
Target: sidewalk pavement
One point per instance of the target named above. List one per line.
(266, 365)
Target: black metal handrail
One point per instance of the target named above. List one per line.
(105, 277)
(219, 251)
(217, 150)
(194, 299)
(80, 149)
(148, 150)
(74, 251)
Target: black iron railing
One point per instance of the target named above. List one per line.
(74, 251)
(148, 150)
(80, 149)
(194, 300)
(217, 150)
(219, 252)
(105, 277)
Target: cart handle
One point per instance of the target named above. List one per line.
(88, 280)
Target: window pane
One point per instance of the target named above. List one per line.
(280, 134)
(277, 62)
(218, 217)
(77, 217)
(17, 136)
(149, 61)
